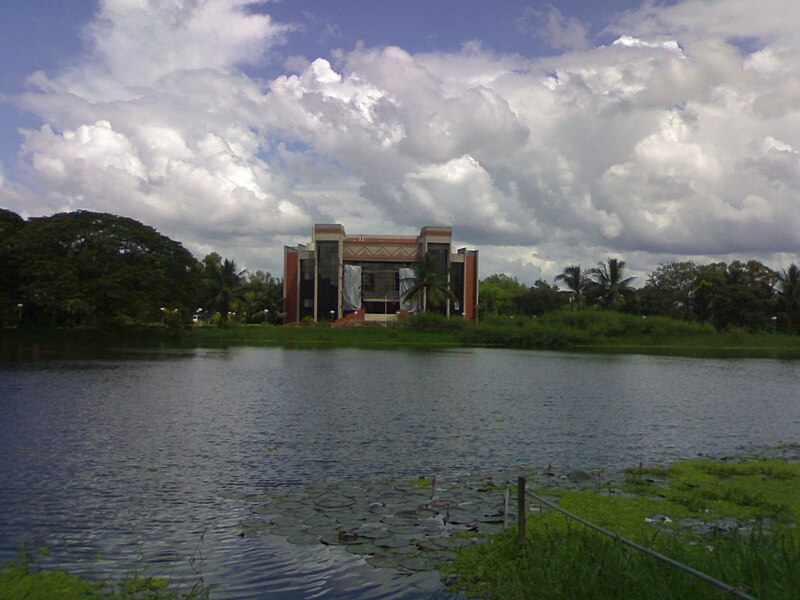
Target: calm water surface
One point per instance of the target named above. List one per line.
(143, 462)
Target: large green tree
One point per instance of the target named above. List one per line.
(87, 267)
(745, 298)
(222, 285)
(10, 224)
(261, 298)
(500, 294)
(669, 290)
(789, 296)
(541, 298)
(735, 295)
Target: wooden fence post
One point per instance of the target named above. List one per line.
(521, 511)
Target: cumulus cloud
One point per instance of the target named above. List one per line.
(674, 139)
(159, 122)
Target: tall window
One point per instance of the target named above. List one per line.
(306, 287)
(327, 279)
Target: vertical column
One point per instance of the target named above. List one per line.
(471, 285)
(291, 295)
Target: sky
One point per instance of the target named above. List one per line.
(546, 134)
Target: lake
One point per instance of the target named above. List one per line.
(149, 460)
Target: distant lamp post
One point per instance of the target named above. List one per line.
(163, 310)
(199, 315)
(774, 320)
(332, 316)
(386, 308)
(266, 315)
(19, 312)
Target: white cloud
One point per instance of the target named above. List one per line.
(159, 123)
(677, 139)
(135, 43)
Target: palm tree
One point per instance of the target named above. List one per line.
(430, 287)
(789, 293)
(222, 283)
(576, 280)
(608, 281)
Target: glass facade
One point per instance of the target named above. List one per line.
(380, 284)
(313, 274)
(327, 280)
(457, 285)
(306, 288)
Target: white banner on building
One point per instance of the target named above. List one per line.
(351, 288)
(407, 280)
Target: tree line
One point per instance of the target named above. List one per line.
(747, 295)
(88, 268)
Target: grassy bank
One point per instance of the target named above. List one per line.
(21, 578)
(596, 331)
(733, 521)
(590, 331)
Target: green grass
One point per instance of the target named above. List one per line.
(753, 489)
(594, 331)
(20, 581)
(586, 331)
(22, 578)
(563, 559)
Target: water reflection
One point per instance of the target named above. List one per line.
(149, 454)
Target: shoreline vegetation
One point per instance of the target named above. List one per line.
(580, 331)
(733, 518)
(22, 577)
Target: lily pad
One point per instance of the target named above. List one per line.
(334, 501)
(417, 563)
(303, 539)
(251, 526)
(362, 549)
(392, 542)
(288, 530)
(384, 561)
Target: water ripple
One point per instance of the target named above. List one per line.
(121, 465)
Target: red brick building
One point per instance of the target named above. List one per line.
(337, 274)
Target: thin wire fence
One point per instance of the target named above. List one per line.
(733, 591)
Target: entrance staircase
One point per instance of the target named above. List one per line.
(361, 318)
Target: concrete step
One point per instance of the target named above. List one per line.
(378, 318)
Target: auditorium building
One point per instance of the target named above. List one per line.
(340, 276)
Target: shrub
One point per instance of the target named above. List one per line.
(430, 321)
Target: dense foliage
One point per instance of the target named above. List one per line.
(87, 268)
(740, 295)
(91, 268)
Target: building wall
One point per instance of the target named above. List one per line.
(471, 285)
(290, 283)
(313, 274)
